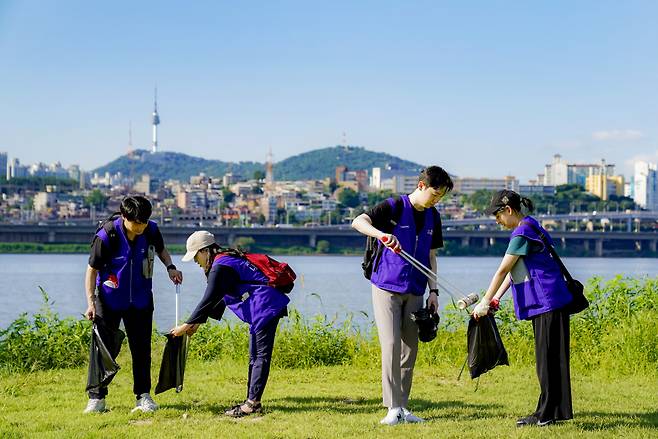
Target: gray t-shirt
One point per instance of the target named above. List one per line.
(521, 246)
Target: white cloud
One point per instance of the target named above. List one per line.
(653, 158)
(617, 135)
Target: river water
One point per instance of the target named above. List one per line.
(330, 285)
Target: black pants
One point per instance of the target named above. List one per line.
(261, 345)
(138, 324)
(552, 356)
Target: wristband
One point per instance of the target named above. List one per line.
(171, 267)
(434, 290)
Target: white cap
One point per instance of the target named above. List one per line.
(196, 241)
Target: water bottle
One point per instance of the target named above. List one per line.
(467, 301)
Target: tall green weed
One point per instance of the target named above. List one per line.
(44, 342)
(617, 335)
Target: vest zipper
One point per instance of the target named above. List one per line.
(416, 246)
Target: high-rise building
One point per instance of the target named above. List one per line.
(4, 162)
(147, 185)
(74, 172)
(393, 178)
(357, 180)
(16, 170)
(601, 184)
(559, 172)
(556, 173)
(468, 185)
(269, 172)
(644, 187)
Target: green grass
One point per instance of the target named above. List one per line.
(323, 402)
(326, 380)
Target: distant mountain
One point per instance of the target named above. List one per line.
(175, 165)
(319, 163)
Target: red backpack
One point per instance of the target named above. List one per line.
(279, 274)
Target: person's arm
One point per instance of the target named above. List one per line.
(90, 289)
(506, 265)
(503, 288)
(433, 299)
(99, 255)
(175, 274)
(437, 243)
(363, 224)
(221, 280)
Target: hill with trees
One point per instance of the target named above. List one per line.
(318, 164)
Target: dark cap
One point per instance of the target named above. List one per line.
(503, 199)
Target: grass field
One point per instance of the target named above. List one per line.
(325, 382)
(323, 402)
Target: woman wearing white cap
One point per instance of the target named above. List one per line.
(234, 282)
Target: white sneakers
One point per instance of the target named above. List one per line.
(394, 416)
(145, 403)
(410, 417)
(397, 415)
(95, 406)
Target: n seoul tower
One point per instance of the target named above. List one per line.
(156, 122)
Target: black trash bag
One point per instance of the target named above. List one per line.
(172, 369)
(102, 366)
(485, 347)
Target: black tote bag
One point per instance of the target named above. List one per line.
(579, 302)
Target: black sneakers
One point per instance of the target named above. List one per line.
(533, 420)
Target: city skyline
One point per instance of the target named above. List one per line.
(428, 83)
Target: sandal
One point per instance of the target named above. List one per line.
(237, 412)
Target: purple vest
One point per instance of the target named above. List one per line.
(394, 274)
(255, 303)
(546, 290)
(121, 283)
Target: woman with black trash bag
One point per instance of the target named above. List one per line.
(234, 282)
(540, 295)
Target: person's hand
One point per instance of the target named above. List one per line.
(482, 308)
(391, 242)
(179, 330)
(91, 312)
(176, 276)
(192, 329)
(433, 302)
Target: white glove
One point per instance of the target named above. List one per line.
(482, 308)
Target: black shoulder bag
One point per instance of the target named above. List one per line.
(579, 302)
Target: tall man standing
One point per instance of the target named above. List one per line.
(121, 269)
(412, 223)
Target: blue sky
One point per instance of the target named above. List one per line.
(481, 89)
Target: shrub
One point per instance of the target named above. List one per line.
(615, 335)
(44, 342)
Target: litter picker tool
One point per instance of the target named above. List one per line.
(462, 302)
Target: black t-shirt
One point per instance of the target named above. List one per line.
(100, 254)
(221, 280)
(382, 213)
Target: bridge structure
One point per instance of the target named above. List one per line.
(582, 233)
(627, 220)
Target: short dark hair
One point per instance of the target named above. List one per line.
(136, 208)
(436, 177)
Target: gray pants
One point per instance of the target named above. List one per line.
(398, 338)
